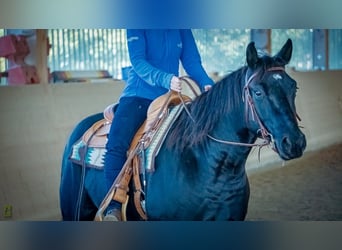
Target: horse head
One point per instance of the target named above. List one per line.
(270, 93)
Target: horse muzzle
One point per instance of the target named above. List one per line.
(290, 146)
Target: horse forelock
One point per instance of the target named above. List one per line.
(206, 110)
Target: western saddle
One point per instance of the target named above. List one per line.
(158, 111)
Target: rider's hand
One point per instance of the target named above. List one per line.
(207, 87)
(176, 84)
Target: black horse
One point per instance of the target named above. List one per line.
(200, 169)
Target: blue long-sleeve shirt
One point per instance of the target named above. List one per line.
(155, 56)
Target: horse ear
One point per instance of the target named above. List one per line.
(252, 55)
(286, 52)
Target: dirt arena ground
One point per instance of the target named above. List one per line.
(307, 189)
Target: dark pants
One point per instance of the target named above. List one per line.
(129, 116)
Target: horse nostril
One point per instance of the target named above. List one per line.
(295, 147)
(286, 142)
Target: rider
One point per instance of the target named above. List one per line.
(155, 57)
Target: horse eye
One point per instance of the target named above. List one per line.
(258, 93)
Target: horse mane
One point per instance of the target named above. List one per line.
(206, 110)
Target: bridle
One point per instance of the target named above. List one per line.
(249, 106)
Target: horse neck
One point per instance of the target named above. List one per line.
(225, 151)
(235, 128)
(219, 113)
(232, 127)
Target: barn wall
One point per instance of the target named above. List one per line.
(35, 123)
(37, 119)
